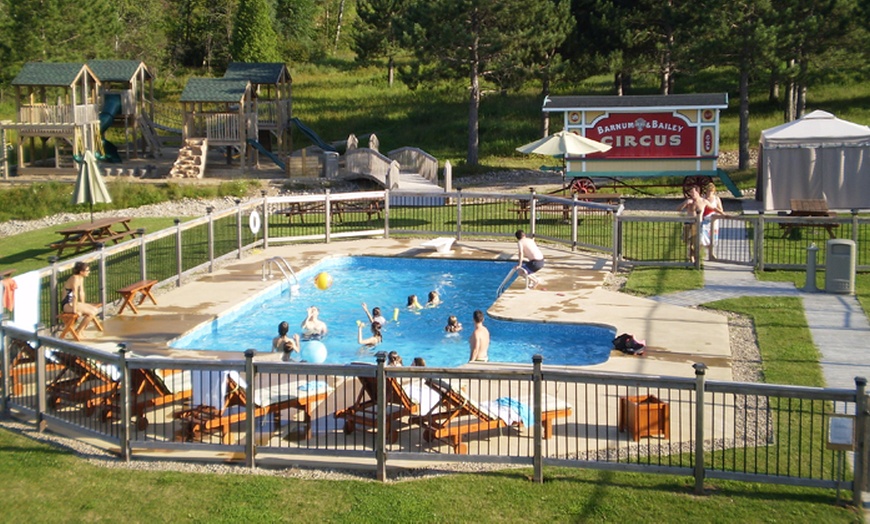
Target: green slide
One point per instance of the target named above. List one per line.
(111, 109)
(314, 137)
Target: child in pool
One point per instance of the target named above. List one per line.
(413, 303)
(453, 325)
(434, 299)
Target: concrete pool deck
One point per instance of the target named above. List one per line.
(571, 291)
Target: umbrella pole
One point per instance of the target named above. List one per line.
(92, 211)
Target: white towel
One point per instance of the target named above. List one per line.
(26, 313)
(422, 395)
(210, 387)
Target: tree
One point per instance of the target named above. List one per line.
(478, 40)
(294, 23)
(199, 31)
(253, 37)
(144, 36)
(377, 33)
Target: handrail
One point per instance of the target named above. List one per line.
(284, 266)
(504, 282)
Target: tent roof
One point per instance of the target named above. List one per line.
(816, 127)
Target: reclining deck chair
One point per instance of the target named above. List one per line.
(215, 392)
(23, 364)
(414, 399)
(457, 415)
(81, 381)
(151, 388)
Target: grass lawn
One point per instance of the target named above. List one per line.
(48, 485)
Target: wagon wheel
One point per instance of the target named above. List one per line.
(699, 181)
(582, 185)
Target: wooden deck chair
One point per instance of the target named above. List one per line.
(151, 388)
(23, 364)
(399, 401)
(210, 413)
(457, 415)
(81, 381)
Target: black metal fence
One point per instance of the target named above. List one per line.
(529, 415)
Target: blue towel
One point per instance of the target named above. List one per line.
(521, 409)
(315, 385)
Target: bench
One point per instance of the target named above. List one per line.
(142, 288)
(369, 207)
(440, 244)
(810, 208)
(69, 325)
(301, 209)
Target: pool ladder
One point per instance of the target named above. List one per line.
(507, 279)
(285, 269)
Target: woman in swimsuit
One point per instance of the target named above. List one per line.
(74, 295)
(312, 327)
(373, 340)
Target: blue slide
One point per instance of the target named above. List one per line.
(111, 109)
(268, 153)
(314, 137)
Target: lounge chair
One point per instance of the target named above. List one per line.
(81, 381)
(23, 363)
(216, 392)
(151, 388)
(411, 399)
(457, 415)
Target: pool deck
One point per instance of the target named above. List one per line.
(571, 291)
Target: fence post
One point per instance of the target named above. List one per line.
(178, 264)
(537, 392)
(759, 242)
(533, 219)
(700, 377)
(102, 265)
(249, 409)
(238, 229)
(458, 213)
(617, 242)
(855, 225)
(53, 289)
(381, 423)
(327, 204)
(41, 382)
(696, 239)
(386, 213)
(574, 222)
(265, 220)
(143, 254)
(125, 404)
(4, 368)
(209, 210)
(859, 482)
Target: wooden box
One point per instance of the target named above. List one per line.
(644, 416)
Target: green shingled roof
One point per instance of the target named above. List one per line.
(227, 90)
(116, 70)
(257, 72)
(48, 74)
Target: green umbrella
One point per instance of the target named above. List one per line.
(90, 187)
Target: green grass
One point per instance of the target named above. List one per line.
(653, 281)
(48, 485)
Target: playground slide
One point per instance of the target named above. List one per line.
(111, 108)
(268, 153)
(315, 138)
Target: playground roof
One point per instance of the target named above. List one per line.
(228, 90)
(61, 74)
(604, 103)
(117, 70)
(258, 72)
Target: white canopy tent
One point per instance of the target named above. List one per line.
(817, 156)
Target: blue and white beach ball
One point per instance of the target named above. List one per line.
(313, 351)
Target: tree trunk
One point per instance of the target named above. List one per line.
(473, 106)
(338, 25)
(743, 135)
(617, 83)
(773, 88)
(790, 95)
(391, 71)
(545, 92)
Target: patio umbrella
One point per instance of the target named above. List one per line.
(562, 144)
(90, 187)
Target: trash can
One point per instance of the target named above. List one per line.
(840, 266)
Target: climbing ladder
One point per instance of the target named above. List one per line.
(150, 135)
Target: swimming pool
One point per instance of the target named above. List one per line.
(464, 285)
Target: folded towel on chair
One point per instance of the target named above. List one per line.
(512, 411)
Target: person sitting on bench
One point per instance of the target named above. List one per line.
(74, 296)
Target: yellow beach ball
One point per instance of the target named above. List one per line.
(323, 281)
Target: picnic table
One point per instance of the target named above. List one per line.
(88, 234)
(809, 207)
(337, 208)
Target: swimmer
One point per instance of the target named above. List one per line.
(393, 359)
(453, 325)
(312, 327)
(373, 340)
(375, 315)
(413, 303)
(418, 362)
(434, 299)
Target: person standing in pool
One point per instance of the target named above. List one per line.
(375, 315)
(373, 340)
(312, 327)
(531, 259)
(479, 340)
(413, 303)
(434, 299)
(284, 343)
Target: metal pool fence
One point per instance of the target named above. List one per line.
(373, 414)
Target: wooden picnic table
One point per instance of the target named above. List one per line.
(809, 207)
(338, 208)
(88, 234)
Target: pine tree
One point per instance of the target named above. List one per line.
(253, 37)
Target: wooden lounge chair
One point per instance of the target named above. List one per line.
(400, 401)
(457, 415)
(81, 381)
(23, 364)
(219, 401)
(151, 388)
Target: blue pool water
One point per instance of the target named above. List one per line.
(464, 286)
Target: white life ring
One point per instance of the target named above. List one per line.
(254, 222)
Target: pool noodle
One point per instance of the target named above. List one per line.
(396, 315)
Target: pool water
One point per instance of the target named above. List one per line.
(464, 285)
